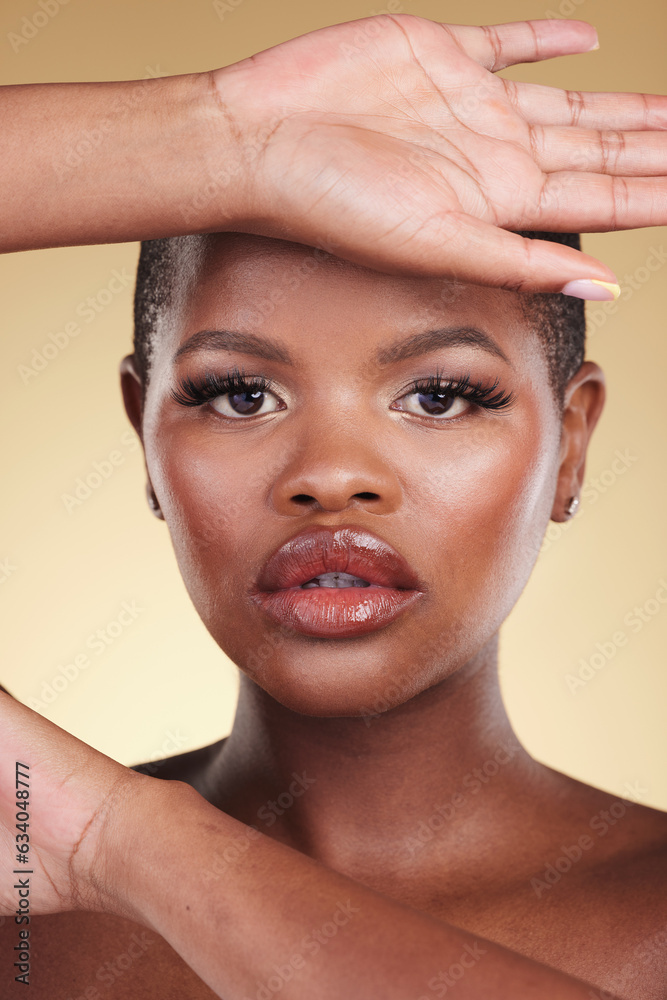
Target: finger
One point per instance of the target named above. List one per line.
(497, 46)
(463, 248)
(540, 105)
(629, 154)
(587, 203)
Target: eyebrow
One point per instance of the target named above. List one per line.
(431, 340)
(231, 340)
(415, 346)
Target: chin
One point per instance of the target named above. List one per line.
(324, 703)
(350, 679)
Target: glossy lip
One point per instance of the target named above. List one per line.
(328, 611)
(342, 549)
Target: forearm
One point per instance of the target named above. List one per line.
(87, 163)
(242, 909)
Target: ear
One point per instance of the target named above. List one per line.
(583, 404)
(133, 391)
(132, 388)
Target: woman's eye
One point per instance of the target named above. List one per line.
(245, 403)
(435, 404)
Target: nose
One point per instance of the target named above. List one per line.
(337, 471)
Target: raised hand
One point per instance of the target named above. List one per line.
(387, 140)
(392, 136)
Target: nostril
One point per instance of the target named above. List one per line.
(306, 498)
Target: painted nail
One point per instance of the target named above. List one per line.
(592, 288)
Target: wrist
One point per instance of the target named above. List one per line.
(149, 827)
(128, 825)
(214, 170)
(190, 142)
(243, 182)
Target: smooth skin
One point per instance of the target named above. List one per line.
(381, 733)
(388, 137)
(175, 860)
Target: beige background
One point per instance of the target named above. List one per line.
(161, 685)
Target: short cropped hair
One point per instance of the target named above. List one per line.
(558, 320)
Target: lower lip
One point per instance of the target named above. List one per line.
(339, 611)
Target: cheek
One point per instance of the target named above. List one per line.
(484, 505)
(210, 494)
(474, 504)
(481, 500)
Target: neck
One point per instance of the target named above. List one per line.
(339, 788)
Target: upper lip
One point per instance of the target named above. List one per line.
(342, 549)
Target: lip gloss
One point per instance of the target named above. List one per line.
(331, 611)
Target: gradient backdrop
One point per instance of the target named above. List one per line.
(98, 631)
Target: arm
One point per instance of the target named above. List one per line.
(241, 908)
(389, 140)
(109, 162)
(232, 902)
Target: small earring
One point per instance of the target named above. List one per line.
(572, 507)
(152, 502)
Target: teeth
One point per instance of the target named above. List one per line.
(335, 580)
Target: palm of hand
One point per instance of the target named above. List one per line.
(437, 152)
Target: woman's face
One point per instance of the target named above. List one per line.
(463, 492)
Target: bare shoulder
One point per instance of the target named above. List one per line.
(590, 830)
(623, 823)
(598, 891)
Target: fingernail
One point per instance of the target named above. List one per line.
(597, 42)
(592, 288)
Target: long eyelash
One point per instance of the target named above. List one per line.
(475, 392)
(196, 391)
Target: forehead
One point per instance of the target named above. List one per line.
(309, 298)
